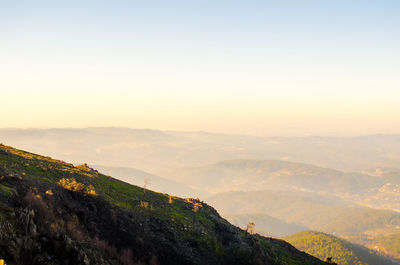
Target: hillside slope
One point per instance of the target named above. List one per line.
(137, 177)
(342, 252)
(52, 212)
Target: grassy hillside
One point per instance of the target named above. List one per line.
(137, 177)
(342, 252)
(52, 212)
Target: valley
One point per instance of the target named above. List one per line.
(281, 197)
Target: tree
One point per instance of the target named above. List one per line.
(250, 228)
(329, 260)
(147, 183)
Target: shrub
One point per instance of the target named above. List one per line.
(90, 190)
(71, 184)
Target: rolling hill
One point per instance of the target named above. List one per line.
(248, 175)
(322, 213)
(52, 212)
(342, 252)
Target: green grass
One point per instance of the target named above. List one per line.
(7, 191)
(38, 168)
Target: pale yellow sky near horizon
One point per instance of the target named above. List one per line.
(303, 101)
(252, 103)
(303, 69)
(231, 114)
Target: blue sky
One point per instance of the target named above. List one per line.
(256, 67)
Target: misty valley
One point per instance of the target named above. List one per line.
(330, 208)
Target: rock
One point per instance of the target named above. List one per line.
(68, 241)
(32, 229)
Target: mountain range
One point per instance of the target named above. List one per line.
(247, 175)
(154, 150)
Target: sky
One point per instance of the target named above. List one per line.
(288, 68)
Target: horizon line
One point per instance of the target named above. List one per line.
(197, 131)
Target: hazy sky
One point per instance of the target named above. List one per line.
(251, 67)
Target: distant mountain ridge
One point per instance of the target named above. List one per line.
(245, 175)
(365, 189)
(154, 150)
